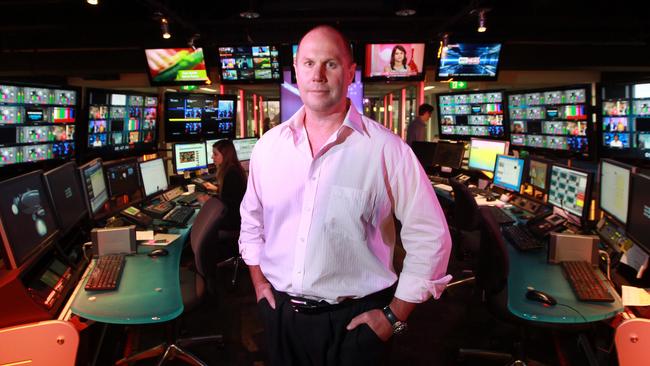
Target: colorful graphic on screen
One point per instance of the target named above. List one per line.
(171, 66)
(467, 61)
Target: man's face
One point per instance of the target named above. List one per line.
(323, 71)
(426, 116)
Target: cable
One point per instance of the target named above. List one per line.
(574, 309)
(85, 246)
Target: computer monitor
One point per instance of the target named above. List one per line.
(449, 154)
(154, 176)
(94, 185)
(244, 147)
(508, 172)
(27, 223)
(122, 177)
(570, 190)
(208, 148)
(424, 151)
(483, 153)
(538, 173)
(66, 195)
(188, 157)
(638, 219)
(615, 189)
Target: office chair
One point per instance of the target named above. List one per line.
(229, 239)
(50, 342)
(492, 280)
(465, 218)
(632, 342)
(196, 284)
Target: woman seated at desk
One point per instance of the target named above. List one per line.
(229, 183)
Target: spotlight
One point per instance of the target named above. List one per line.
(92, 2)
(193, 40)
(405, 12)
(482, 24)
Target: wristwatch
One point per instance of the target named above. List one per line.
(399, 326)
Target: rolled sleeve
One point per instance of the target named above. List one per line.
(414, 289)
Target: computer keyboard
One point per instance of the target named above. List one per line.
(521, 238)
(586, 284)
(438, 180)
(159, 209)
(500, 216)
(106, 273)
(186, 199)
(179, 215)
(478, 191)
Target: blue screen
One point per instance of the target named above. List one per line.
(508, 172)
(469, 61)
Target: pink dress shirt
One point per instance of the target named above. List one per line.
(323, 227)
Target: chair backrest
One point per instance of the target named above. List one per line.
(51, 342)
(465, 207)
(493, 263)
(205, 234)
(632, 342)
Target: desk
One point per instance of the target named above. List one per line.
(149, 290)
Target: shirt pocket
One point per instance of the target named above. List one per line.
(349, 212)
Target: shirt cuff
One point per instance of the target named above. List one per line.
(417, 290)
(250, 253)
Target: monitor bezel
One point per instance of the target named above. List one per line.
(112, 163)
(174, 149)
(81, 169)
(588, 193)
(248, 82)
(10, 260)
(470, 78)
(176, 83)
(505, 120)
(521, 175)
(144, 193)
(631, 169)
(632, 236)
(469, 159)
(366, 63)
(84, 213)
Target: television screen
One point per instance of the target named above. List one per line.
(189, 157)
(154, 176)
(615, 188)
(197, 117)
(36, 124)
(94, 185)
(66, 195)
(508, 172)
(244, 147)
(394, 61)
(121, 122)
(483, 153)
(570, 190)
(247, 64)
(625, 128)
(463, 115)
(553, 119)
(27, 221)
(177, 66)
(469, 61)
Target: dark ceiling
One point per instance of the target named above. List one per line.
(70, 37)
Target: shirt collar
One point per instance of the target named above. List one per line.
(296, 125)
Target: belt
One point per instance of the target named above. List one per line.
(309, 306)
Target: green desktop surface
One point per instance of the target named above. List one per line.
(530, 269)
(148, 292)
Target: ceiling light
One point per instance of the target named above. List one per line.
(445, 41)
(482, 24)
(164, 27)
(92, 2)
(405, 12)
(429, 87)
(249, 14)
(208, 90)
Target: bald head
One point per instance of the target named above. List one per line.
(333, 34)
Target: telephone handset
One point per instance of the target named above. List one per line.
(136, 216)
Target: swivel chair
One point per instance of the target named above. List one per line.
(632, 342)
(465, 221)
(195, 283)
(229, 239)
(492, 281)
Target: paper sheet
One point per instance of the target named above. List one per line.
(634, 296)
(144, 235)
(636, 258)
(161, 239)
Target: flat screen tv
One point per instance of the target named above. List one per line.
(199, 117)
(394, 61)
(250, 64)
(469, 61)
(177, 66)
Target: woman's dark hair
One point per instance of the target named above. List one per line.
(230, 161)
(392, 56)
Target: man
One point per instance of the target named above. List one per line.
(616, 142)
(318, 229)
(417, 130)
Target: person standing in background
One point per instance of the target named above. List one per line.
(417, 129)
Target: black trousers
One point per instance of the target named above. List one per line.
(321, 339)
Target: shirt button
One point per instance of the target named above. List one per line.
(302, 240)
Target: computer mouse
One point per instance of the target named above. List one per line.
(541, 296)
(160, 252)
(490, 197)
